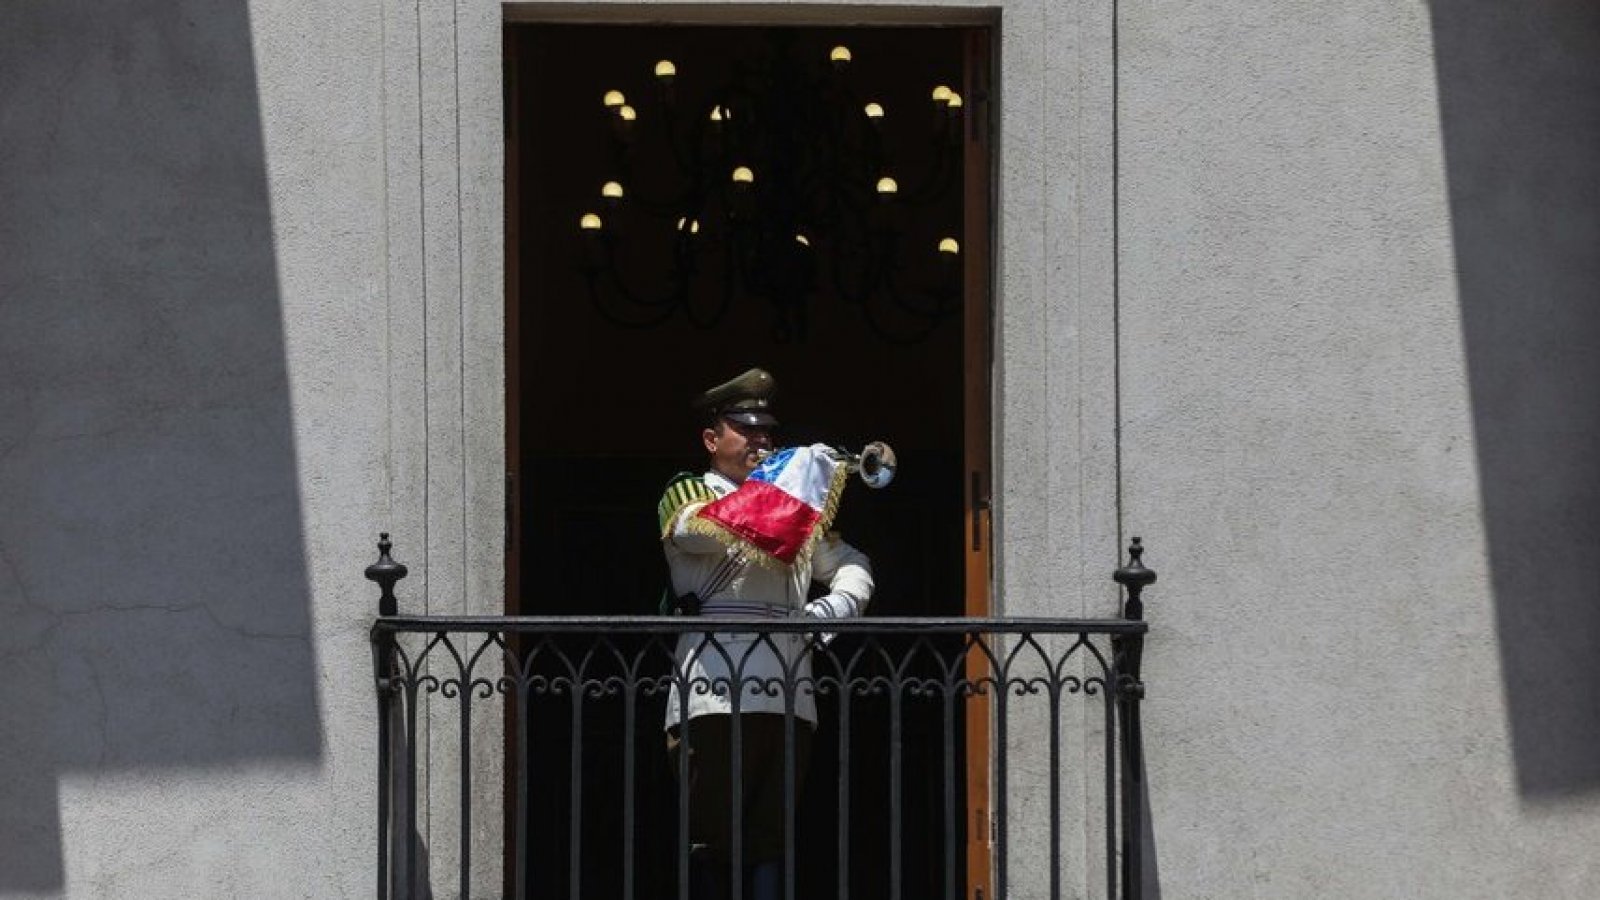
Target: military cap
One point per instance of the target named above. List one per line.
(744, 399)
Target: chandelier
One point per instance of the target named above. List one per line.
(775, 183)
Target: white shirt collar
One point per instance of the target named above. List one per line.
(720, 483)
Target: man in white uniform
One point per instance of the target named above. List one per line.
(713, 579)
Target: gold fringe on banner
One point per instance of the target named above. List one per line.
(830, 508)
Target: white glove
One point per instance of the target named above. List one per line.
(831, 606)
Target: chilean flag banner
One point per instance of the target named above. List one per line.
(782, 509)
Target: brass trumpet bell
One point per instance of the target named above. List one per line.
(875, 463)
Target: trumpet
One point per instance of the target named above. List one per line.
(875, 463)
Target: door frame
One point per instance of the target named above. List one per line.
(977, 433)
(980, 185)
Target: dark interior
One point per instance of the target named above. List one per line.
(603, 402)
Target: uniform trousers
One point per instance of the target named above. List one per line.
(709, 741)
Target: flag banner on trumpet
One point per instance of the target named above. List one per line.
(782, 509)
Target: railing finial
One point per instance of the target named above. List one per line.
(1135, 577)
(385, 572)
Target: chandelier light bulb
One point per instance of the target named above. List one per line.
(874, 111)
(840, 55)
(743, 175)
(941, 94)
(802, 240)
(887, 186)
(688, 225)
(627, 113)
(611, 190)
(665, 70)
(614, 99)
(589, 222)
(949, 246)
(955, 100)
(718, 114)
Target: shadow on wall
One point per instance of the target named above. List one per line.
(153, 592)
(1519, 87)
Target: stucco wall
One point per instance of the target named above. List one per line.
(1359, 329)
(188, 393)
(250, 312)
(226, 362)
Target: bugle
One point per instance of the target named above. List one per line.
(875, 463)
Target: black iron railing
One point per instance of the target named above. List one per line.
(888, 806)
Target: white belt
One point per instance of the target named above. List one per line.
(744, 609)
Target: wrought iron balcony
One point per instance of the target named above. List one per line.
(944, 749)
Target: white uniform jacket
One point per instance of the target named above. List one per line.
(729, 585)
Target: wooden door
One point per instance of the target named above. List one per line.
(977, 421)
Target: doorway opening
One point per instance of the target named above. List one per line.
(883, 334)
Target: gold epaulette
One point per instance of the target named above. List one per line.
(684, 488)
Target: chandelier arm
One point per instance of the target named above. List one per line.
(687, 165)
(936, 182)
(672, 299)
(591, 279)
(665, 208)
(668, 210)
(721, 310)
(868, 277)
(882, 329)
(666, 302)
(839, 207)
(939, 306)
(830, 219)
(872, 243)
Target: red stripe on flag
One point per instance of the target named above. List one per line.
(766, 516)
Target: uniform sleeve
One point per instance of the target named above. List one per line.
(848, 574)
(685, 496)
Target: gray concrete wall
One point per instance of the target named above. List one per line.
(226, 362)
(160, 672)
(250, 311)
(1359, 344)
